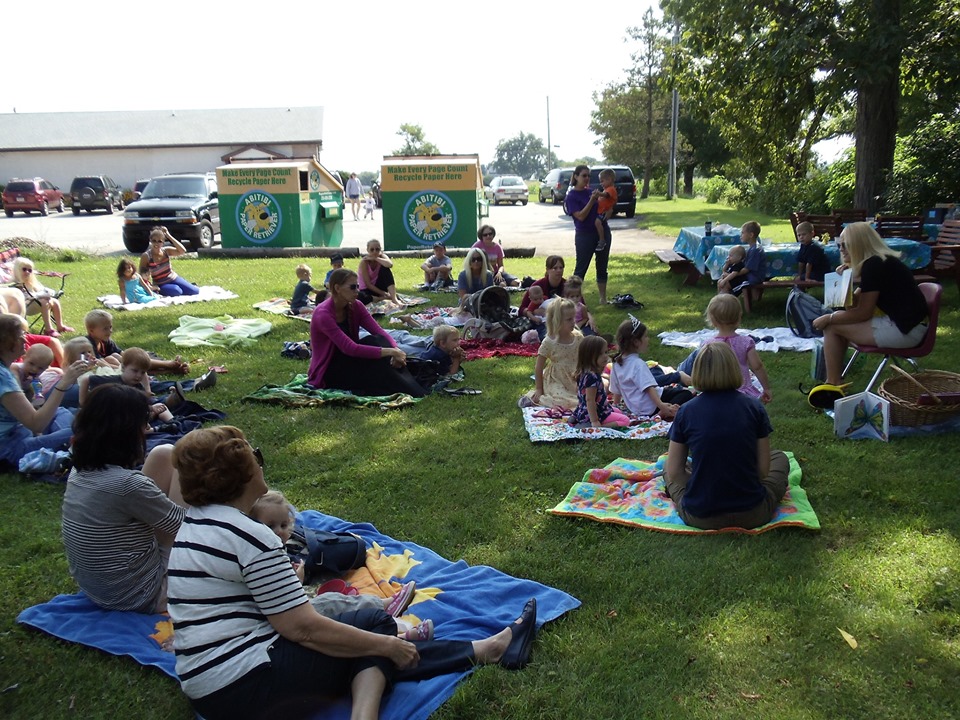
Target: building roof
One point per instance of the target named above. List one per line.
(160, 128)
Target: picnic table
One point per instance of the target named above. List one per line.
(694, 243)
(782, 257)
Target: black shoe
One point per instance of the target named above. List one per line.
(205, 381)
(175, 398)
(524, 630)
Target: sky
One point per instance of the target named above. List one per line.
(469, 74)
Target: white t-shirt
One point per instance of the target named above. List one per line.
(631, 380)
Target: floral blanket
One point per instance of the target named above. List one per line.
(550, 425)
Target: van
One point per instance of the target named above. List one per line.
(554, 185)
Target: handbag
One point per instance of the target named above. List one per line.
(328, 553)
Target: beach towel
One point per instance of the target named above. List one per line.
(297, 393)
(631, 492)
(279, 306)
(550, 425)
(224, 331)
(388, 307)
(431, 317)
(767, 339)
(479, 348)
(464, 602)
(207, 293)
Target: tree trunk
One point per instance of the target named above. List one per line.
(878, 99)
(688, 179)
(645, 188)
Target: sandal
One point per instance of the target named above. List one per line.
(462, 391)
(420, 633)
(402, 599)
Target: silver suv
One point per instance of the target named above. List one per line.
(507, 188)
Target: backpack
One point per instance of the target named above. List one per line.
(327, 553)
(802, 309)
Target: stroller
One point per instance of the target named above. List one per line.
(492, 317)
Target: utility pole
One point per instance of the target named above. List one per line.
(674, 118)
(549, 146)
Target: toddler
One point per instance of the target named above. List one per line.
(134, 364)
(534, 310)
(811, 259)
(724, 313)
(573, 291)
(368, 206)
(273, 510)
(34, 373)
(556, 365)
(593, 406)
(606, 203)
(633, 383)
(731, 268)
(336, 262)
(754, 269)
(133, 288)
(446, 350)
(438, 267)
(99, 325)
(300, 302)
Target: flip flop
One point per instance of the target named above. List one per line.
(462, 391)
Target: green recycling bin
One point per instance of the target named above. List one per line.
(430, 198)
(283, 203)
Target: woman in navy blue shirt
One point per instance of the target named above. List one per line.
(581, 204)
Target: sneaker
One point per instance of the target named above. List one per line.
(401, 601)
(420, 633)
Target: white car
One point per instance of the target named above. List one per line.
(507, 188)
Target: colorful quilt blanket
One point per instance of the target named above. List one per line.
(279, 306)
(550, 425)
(207, 293)
(297, 393)
(432, 317)
(388, 307)
(631, 492)
(465, 603)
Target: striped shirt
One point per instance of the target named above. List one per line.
(227, 573)
(161, 272)
(109, 517)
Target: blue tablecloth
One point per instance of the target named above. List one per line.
(782, 257)
(693, 243)
(931, 230)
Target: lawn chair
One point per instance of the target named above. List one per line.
(945, 252)
(901, 226)
(796, 218)
(850, 215)
(931, 293)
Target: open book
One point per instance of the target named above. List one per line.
(838, 289)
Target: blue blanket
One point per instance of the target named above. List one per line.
(472, 603)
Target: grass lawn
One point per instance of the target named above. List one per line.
(688, 627)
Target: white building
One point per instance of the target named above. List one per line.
(131, 145)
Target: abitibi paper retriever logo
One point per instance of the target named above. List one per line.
(314, 180)
(258, 216)
(429, 216)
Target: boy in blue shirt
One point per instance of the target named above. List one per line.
(446, 350)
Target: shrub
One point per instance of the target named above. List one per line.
(926, 167)
(842, 181)
(714, 188)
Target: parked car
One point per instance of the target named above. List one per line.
(95, 192)
(28, 195)
(626, 186)
(555, 184)
(507, 188)
(138, 187)
(184, 203)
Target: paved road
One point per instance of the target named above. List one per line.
(541, 226)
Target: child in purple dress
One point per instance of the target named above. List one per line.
(724, 313)
(593, 407)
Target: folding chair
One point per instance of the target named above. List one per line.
(931, 293)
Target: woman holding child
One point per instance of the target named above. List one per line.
(552, 283)
(889, 310)
(373, 366)
(248, 642)
(24, 428)
(581, 204)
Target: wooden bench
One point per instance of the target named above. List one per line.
(754, 293)
(679, 264)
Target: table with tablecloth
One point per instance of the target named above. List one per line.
(782, 257)
(694, 243)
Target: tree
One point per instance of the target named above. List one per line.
(523, 155)
(776, 74)
(648, 66)
(414, 142)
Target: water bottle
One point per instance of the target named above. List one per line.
(708, 228)
(37, 393)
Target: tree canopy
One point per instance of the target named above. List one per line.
(523, 155)
(414, 142)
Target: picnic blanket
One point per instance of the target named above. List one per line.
(225, 331)
(433, 316)
(550, 425)
(767, 339)
(297, 393)
(631, 492)
(279, 306)
(206, 294)
(480, 348)
(464, 602)
(388, 307)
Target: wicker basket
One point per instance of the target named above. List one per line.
(904, 390)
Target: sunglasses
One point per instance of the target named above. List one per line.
(476, 260)
(27, 270)
(353, 286)
(486, 234)
(258, 456)
(842, 245)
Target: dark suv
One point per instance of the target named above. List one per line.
(95, 192)
(554, 185)
(626, 186)
(36, 194)
(184, 203)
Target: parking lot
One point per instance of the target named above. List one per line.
(543, 227)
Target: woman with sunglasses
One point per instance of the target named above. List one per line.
(119, 522)
(249, 644)
(339, 359)
(888, 308)
(581, 204)
(156, 262)
(476, 273)
(485, 241)
(39, 298)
